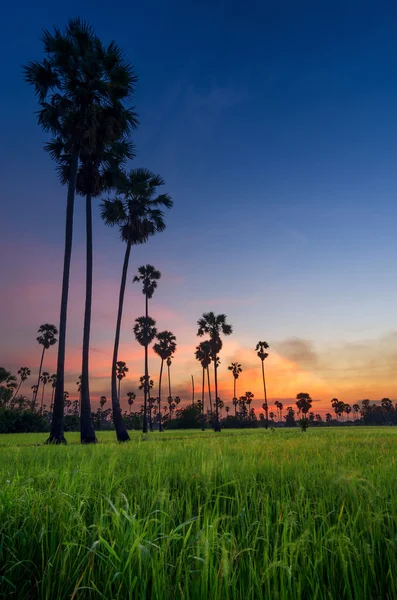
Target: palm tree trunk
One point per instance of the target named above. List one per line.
(118, 393)
(192, 391)
(217, 426)
(264, 389)
(121, 430)
(87, 432)
(202, 403)
(234, 397)
(209, 389)
(38, 380)
(57, 424)
(169, 382)
(146, 383)
(52, 397)
(42, 400)
(159, 400)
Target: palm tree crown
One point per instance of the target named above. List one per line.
(145, 330)
(260, 349)
(149, 277)
(47, 335)
(214, 325)
(166, 344)
(236, 369)
(137, 208)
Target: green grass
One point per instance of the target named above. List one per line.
(236, 515)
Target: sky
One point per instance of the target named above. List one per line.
(274, 126)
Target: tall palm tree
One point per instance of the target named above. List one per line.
(260, 349)
(165, 347)
(24, 373)
(148, 276)
(236, 369)
(121, 372)
(45, 378)
(203, 355)
(46, 339)
(78, 77)
(145, 331)
(169, 363)
(214, 326)
(138, 215)
(131, 397)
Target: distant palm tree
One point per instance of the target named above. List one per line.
(328, 417)
(304, 403)
(139, 216)
(145, 331)
(131, 397)
(78, 383)
(236, 369)
(81, 76)
(164, 348)
(214, 326)
(34, 389)
(53, 381)
(356, 409)
(45, 378)
(121, 372)
(8, 385)
(260, 350)
(169, 363)
(24, 373)
(249, 396)
(46, 339)
(203, 355)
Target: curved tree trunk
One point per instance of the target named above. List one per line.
(217, 425)
(146, 382)
(264, 389)
(159, 399)
(17, 390)
(209, 389)
(87, 432)
(57, 424)
(121, 430)
(38, 380)
(234, 397)
(202, 403)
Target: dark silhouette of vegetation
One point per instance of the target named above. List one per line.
(46, 339)
(236, 369)
(145, 331)
(79, 82)
(165, 348)
(260, 350)
(137, 212)
(214, 326)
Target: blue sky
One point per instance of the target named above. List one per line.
(275, 129)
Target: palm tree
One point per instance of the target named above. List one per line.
(46, 339)
(53, 381)
(138, 215)
(304, 403)
(34, 389)
(169, 363)
(260, 350)
(164, 348)
(44, 378)
(78, 383)
(236, 369)
(145, 331)
(356, 409)
(214, 326)
(77, 78)
(24, 373)
(8, 385)
(249, 396)
(131, 397)
(121, 372)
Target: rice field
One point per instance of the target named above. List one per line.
(192, 515)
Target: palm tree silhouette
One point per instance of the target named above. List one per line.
(131, 397)
(236, 369)
(164, 348)
(24, 373)
(138, 215)
(203, 355)
(304, 403)
(46, 339)
(44, 378)
(260, 350)
(53, 381)
(121, 372)
(96, 78)
(214, 326)
(145, 331)
(148, 276)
